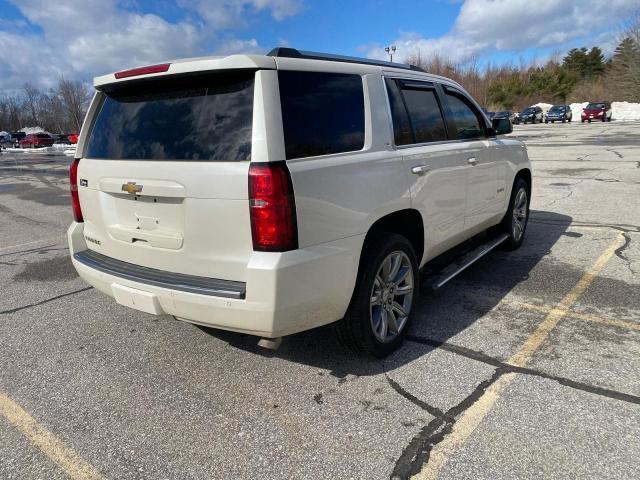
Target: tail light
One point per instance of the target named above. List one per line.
(272, 207)
(75, 200)
(134, 72)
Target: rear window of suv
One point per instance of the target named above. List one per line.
(322, 113)
(204, 118)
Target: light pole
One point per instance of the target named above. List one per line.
(390, 50)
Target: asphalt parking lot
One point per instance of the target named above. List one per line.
(525, 366)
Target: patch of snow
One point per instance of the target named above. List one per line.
(576, 109)
(61, 146)
(625, 111)
(544, 106)
(34, 151)
(29, 130)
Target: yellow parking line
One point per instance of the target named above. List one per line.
(588, 317)
(31, 243)
(66, 458)
(474, 415)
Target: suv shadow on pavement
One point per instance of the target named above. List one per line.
(440, 315)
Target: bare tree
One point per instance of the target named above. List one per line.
(624, 74)
(16, 118)
(75, 97)
(32, 98)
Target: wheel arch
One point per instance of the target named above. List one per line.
(407, 222)
(525, 174)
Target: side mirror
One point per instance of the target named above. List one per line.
(502, 126)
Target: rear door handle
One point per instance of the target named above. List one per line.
(420, 169)
(472, 160)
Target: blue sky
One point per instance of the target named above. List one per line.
(83, 38)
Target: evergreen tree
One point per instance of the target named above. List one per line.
(594, 63)
(624, 72)
(587, 64)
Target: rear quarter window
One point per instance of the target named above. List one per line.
(322, 113)
(204, 118)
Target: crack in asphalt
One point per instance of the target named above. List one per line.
(19, 217)
(622, 227)
(44, 249)
(619, 252)
(24, 307)
(563, 197)
(434, 411)
(618, 154)
(417, 453)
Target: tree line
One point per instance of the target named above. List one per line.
(581, 75)
(58, 110)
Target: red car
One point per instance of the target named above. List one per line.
(600, 111)
(36, 140)
(73, 138)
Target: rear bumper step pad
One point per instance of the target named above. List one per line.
(159, 278)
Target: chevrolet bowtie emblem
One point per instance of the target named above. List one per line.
(131, 187)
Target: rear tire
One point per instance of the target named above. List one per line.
(384, 298)
(515, 220)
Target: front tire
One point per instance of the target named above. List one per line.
(383, 301)
(515, 220)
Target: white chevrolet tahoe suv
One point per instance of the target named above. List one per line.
(273, 194)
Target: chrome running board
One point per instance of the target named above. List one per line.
(461, 264)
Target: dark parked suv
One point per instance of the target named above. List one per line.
(530, 114)
(558, 113)
(505, 114)
(13, 139)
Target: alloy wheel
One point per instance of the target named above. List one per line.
(519, 214)
(391, 296)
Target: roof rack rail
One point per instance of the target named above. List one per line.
(286, 52)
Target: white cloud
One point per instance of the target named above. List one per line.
(83, 38)
(228, 13)
(515, 25)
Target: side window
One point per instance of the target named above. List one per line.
(401, 126)
(467, 122)
(322, 113)
(417, 117)
(426, 117)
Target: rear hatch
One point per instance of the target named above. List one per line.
(163, 178)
